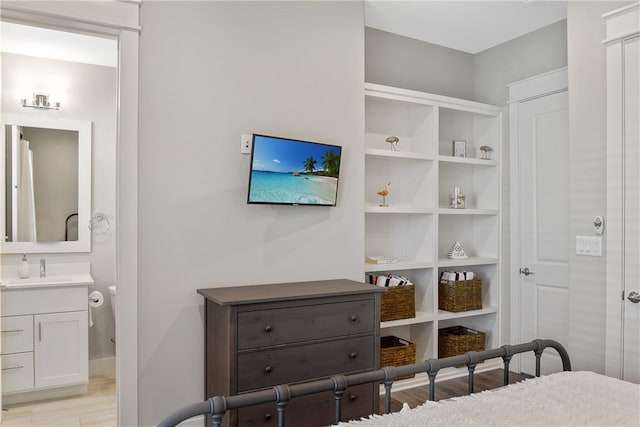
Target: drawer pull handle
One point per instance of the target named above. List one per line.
(268, 328)
(352, 397)
(12, 331)
(353, 318)
(268, 370)
(353, 355)
(12, 367)
(267, 416)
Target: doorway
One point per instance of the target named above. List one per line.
(539, 137)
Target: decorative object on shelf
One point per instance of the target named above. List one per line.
(393, 140)
(384, 193)
(457, 251)
(459, 148)
(457, 198)
(381, 259)
(485, 152)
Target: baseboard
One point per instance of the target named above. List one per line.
(104, 367)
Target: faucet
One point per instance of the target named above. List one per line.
(43, 267)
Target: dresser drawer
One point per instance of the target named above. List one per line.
(17, 372)
(258, 369)
(313, 410)
(304, 323)
(17, 334)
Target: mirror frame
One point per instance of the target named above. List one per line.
(83, 127)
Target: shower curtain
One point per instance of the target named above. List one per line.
(26, 200)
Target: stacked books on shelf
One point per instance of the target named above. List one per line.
(381, 259)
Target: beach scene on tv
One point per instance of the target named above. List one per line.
(294, 172)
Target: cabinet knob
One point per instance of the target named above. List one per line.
(267, 416)
(353, 318)
(353, 355)
(352, 397)
(268, 370)
(267, 328)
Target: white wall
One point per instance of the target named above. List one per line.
(87, 92)
(407, 63)
(210, 71)
(587, 178)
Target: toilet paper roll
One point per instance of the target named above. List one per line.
(96, 299)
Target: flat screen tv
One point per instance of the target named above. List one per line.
(293, 172)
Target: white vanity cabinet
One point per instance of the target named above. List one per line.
(44, 341)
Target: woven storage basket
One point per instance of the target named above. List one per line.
(460, 295)
(457, 340)
(395, 351)
(398, 302)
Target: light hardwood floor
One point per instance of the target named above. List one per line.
(96, 408)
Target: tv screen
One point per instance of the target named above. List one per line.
(293, 172)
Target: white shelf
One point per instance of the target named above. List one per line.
(397, 154)
(446, 262)
(467, 161)
(395, 266)
(418, 226)
(445, 315)
(421, 317)
(449, 211)
(397, 209)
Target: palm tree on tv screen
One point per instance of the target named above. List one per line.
(310, 164)
(331, 163)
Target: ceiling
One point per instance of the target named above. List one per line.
(469, 26)
(62, 45)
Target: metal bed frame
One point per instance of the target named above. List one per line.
(217, 406)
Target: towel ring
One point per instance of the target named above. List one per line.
(99, 221)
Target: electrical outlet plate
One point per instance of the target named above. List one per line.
(245, 143)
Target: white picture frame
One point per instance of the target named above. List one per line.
(459, 148)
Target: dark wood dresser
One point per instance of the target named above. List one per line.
(260, 336)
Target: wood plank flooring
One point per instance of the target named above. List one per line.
(96, 408)
(451, 388)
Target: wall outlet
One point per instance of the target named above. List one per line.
(245, 143)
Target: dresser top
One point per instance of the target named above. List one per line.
(286, 291)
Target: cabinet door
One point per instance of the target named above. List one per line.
(61, 348)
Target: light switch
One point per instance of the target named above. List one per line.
(588, 246)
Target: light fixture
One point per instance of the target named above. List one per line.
(41, 100)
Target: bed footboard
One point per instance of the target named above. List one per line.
(217, 406)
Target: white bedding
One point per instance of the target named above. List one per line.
(561, 399)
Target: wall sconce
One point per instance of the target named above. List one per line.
(41, 100)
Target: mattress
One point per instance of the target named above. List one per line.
(561, 399)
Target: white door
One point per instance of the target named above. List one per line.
(543, 208)
(61, 348)
(631, 251)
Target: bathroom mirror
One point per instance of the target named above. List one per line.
(46, 184)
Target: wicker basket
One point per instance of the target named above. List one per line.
(460, 295)
(395, 351)
(457, 340)
(398, 302)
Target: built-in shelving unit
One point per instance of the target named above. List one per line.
(418, 227)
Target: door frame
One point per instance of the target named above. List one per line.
(534, 87)
(621, 25)
(118, 19)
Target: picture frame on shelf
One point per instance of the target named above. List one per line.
(459, 148)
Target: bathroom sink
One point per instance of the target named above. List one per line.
(36, 281)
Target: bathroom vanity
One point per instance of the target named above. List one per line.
(44, 328)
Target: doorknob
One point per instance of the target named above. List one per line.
(526, 271)
(634, 297)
